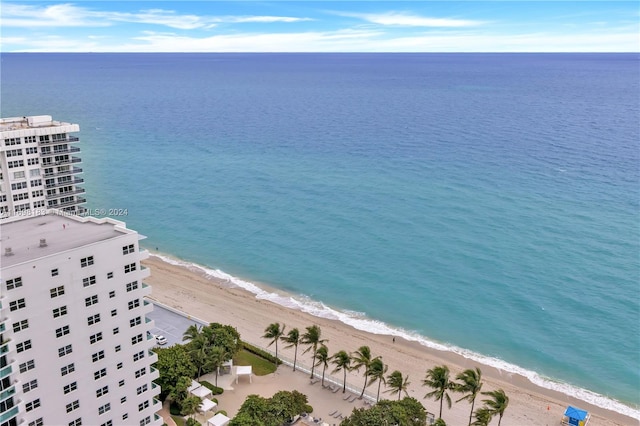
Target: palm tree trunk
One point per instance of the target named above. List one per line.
(344, 383)
(276, 360)
(441, 401)
(473, 401)
(324, 368)
(499, 419)
(378, 396)
(295, 357)
(313, 363)
(365, 386)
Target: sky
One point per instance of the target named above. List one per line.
(320, 26)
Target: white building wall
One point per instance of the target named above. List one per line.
(114, 352)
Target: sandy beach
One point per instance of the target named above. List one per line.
(213, 300)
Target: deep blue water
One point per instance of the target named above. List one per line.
(484, 201)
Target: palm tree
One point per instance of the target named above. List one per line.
(397, 383)
(322, 359)
(192, 333)
(312, 338)
(293, 340)
(470, 386)
(377, 370)
(216, 357)
(198, 351)
(342, 361)
(274, 332)
(497, 404)
(483, 417)
(362, 358)
(438, 379)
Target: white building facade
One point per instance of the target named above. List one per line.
(75, 343)
(38, 165)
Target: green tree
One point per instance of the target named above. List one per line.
(192, 333)
(292, 339)
(216, 357)
(377, 370)
(274, 411)
(470, 385)
(198, 352)
(342, 361)
(440, 422)
(274, 332)
(313, 339)
(438, 379)
(322, 359)
(189, 405)
(497, 404)
(397, 384)
(173, 363)
(179, 392)
(362, 358)
(406, 412)
(483, 417)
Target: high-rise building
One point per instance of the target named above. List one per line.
(75, 342)
(38, 166)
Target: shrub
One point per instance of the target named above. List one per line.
(192, 422)
(259, 352)
(174, 408)
(224, 413)
(213, 388)
(308, 409)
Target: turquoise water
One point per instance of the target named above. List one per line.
(484, 203)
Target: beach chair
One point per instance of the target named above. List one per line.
(347, 396)
(333, 413)
(353, 398)
(336, 389)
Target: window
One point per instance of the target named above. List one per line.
(95, 337)
(145, 421)
(129, 268)
(26, 366)
(125, 416)
(19, 185)
(109, 275)
(92, 300)
(20, 325)
(114, 312)
(142, 389)
(132, 286)
(93, 319)
(102, 391)
(86, 282)
(106, 407)
(32, 405)
(143, 405)
(62, 331)
(36, 182)
(112, 294)
(134, 304)
(86, 261)
(14, 283)
(119, 366)
(67, 369)
(97, 356)
(76, 422)
(135, 321)
(38, 193)
(128, 249)
(37, 422)
(33, 161)
(116, 330)
(17, 304)
(100, 373)
(65, 350)
(109, 423)
(30, 385)
(136, 339)
(18, 175)
(23, 346)
(123, 400)
(33, 150)
(58, 312)
(141, 372)
(73, 406)
(70, 387)
(138, 356)
(58, 291)
(118, 348)
(121, 383)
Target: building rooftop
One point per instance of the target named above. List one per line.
(60, 232)
(32, 122)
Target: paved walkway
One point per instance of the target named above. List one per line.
(166, 416)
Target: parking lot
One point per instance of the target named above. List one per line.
(169, 324)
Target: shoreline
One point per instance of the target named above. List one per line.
(195, 289)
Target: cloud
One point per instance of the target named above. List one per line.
(410, 20)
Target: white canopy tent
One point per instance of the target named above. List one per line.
(207, 405)
(201, 392)
(243, 370)
(194, 385)
(218, 420)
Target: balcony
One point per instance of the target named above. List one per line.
(74, 181)
(5, 371)
(59, 141)
(62, 194)
(71, 171)
(9, 414)
(154, 373)
(70, 150)
(10, 391)
(144, 272)
(77, 200)
(4, 347)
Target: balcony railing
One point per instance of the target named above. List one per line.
(52, 142)
(77, 200)
(62, 194)
(74, 181)
(5, 371)
(9, 414)
(71, 171)
(70, 150)
(7, 392)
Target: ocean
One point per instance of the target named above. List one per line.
(486, 204)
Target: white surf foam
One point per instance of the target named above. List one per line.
(360, 321)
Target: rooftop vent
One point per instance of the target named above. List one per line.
(43, 242)
(8, 252)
